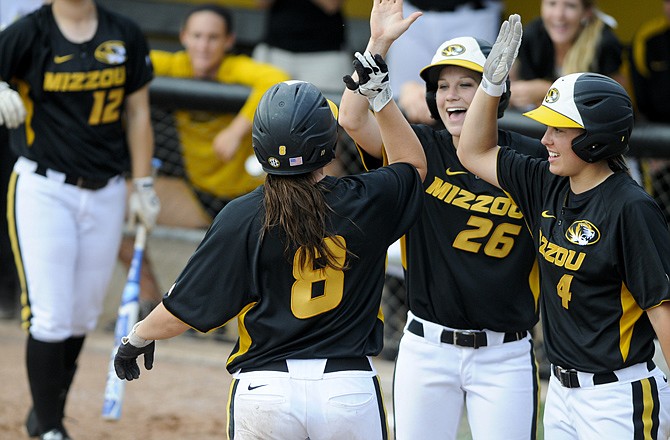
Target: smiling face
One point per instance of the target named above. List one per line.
(563, 19)
(206, 39)
(562, 159)
(456, 87)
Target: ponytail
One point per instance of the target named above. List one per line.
(297, 206)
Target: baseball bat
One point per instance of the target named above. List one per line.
(127, 316)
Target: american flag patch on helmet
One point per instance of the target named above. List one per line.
(295, 161)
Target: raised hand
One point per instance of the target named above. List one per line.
(387, 24)
(373, 79)
(502, 56)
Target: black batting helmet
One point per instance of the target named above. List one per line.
(468, 52)
(294, 129)
(594, 102)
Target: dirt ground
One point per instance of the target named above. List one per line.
(183, 397)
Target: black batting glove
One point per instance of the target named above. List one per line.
(373, 79)
(125, 360)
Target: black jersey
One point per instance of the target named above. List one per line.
(468, 259)
(604, 257)
(286, 311)
(75, 93)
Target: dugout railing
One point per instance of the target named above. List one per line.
(650, 145)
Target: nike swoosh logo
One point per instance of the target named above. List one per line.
(546, 214)
(63, 58)
(257, 386)
(455, 173)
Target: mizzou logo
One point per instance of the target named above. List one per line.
(552, 95)
(111, 52)
(582, 233)
(453, 50)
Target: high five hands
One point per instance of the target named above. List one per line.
(502, 56)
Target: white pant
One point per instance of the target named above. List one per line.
(68, 240)
(619, 410)
(498, 384)
(306, 403)
(415, 49)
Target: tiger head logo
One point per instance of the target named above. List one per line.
(582, 233)
(111, 52)
(552, 95)
(453, 50)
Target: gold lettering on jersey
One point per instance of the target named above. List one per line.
(559, 255)
(84, 81)
(485, 203)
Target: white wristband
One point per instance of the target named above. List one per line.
(134, 340)
(495, 90)
(383, 98)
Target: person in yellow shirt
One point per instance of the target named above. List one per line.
(215, 146)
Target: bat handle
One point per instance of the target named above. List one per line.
(140, 237)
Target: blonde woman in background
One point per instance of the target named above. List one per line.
(569, 36)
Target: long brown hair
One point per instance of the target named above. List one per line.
(296, 205)
(583, 55)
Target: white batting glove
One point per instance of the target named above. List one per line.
(12, 111)
(502, 56)
(373, 79)
(144, 203)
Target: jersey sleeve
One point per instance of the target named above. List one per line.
(522, 177)
(16, 43)
(140, 70)
(391, 189)
(214, 286)
(645, 250)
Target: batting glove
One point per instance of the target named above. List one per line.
(502, 56)
(373, 79)
(12, 111)
(125, 360)
(144, 203)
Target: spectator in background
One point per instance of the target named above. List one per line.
(441, 21)
(306, 38)
(10, 10)
(214, 145)
(650, 78)
(650, 67)
(569, 36)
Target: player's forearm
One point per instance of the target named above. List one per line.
(477, 147)
(160, 324)
(139, 132)
(359, 123)
(660, 320)
(400, 141)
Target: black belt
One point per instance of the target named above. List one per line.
(464, 338)
(569, 377)
(81, 182)
(333, 365)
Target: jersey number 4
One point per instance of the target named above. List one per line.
(303, 303)
(499, 242)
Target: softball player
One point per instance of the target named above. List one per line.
(603, 249)
(82, 73)
(300, 262)
(470, 271)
